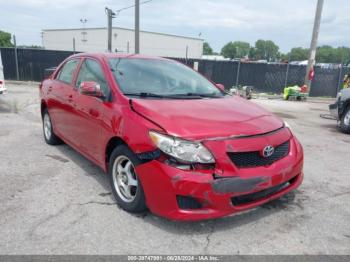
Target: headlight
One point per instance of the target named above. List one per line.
(182, 150)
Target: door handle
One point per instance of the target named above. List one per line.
(70, 98)
(94, 113)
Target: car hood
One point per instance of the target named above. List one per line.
(208, 118)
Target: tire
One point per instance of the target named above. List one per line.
(345, 121)
(49, 135)
(126, 186)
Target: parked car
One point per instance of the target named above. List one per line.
(2, 78)
(341, 110)
(170, 140)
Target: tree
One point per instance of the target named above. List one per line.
(266, 49)
(235, 49)
(299, 54)
(328, 54)
(5, 39)
(283, 57)
(325, 54)
(343, 54)
(30, 46)
(252, 53)
(207, 50)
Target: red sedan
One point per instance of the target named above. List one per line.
(170, 140)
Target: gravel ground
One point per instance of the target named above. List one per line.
(54, 201)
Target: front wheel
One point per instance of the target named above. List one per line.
(125, 183)
(345, 121)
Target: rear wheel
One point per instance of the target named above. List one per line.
(345, 121)
(49, 135)
(126, 186)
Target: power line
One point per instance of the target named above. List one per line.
(128, 7)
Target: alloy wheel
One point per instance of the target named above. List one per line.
(47, 126)
(124, 179)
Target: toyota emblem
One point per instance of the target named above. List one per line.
(268, 151)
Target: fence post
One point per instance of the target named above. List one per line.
(16, 57)
(238, 69)
(287, 72)
(339, 78)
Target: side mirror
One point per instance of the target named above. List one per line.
(221, 87)
(91, 89)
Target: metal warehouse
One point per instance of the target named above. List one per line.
(95, 40)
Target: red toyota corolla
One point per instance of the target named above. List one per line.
(170, 140)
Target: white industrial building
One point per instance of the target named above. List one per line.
(95, 40)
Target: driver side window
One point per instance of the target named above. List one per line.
(91, 71)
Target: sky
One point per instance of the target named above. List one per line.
(286, 22)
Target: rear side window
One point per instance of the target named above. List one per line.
(67, 71)
(91, 70)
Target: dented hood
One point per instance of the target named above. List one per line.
(207, 118)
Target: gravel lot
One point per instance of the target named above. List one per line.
(54, 201)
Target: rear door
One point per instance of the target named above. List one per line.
(89, 110)
(60, 98)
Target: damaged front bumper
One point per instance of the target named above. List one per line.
(334, 110)
(194, 195)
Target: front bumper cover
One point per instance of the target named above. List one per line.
(163, 183)
(334, 110)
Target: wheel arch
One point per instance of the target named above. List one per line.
(110, 146)
(346, 104)
(43, 106)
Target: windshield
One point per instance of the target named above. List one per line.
(160, 78)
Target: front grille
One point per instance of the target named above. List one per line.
(249, 198)
(255, 159)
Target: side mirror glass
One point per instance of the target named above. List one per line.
(221, 87)
(91, 89)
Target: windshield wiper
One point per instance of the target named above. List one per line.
(171, 96)
(201, 95)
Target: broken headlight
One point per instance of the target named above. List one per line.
(183, 151)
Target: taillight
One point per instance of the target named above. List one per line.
(1, 82)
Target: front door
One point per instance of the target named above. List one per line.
(89, 110)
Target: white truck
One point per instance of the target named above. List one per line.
(341, 110)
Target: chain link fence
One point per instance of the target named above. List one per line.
(272, 78)
(268, 78)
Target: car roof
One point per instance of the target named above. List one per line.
(115, 55)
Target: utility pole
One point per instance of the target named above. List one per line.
(313, 46)
(110, 16)
(137, 26)
(74, 45)
(16, 57)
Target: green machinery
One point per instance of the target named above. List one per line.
(296, 93)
